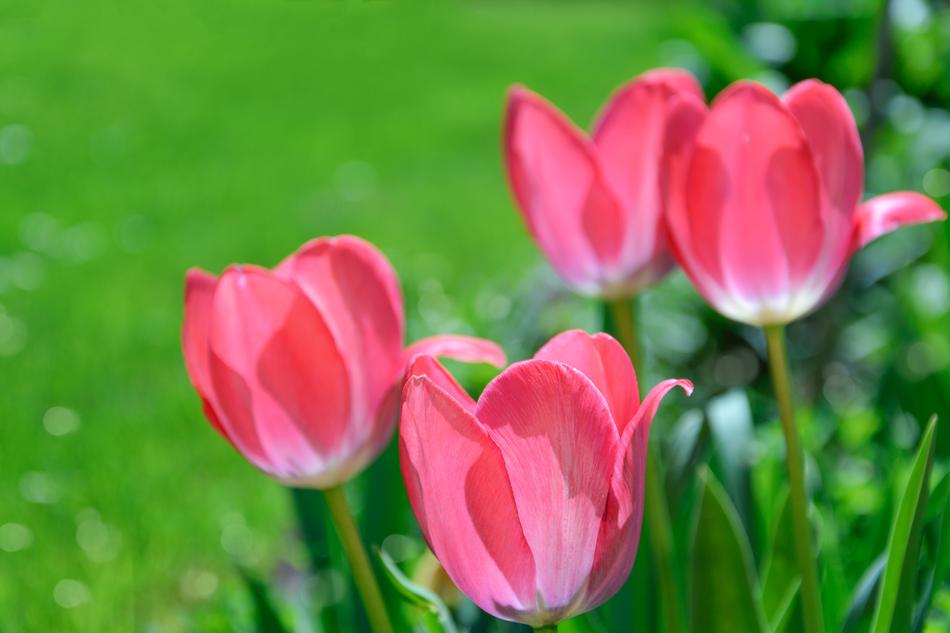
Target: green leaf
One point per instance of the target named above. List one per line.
(938, 511)
(730, 422)
(864, 594)
(723, 591)
(310, 510)
(417, 595)
(895, 605)
(580, 624)
(780, 578)
(265, 614)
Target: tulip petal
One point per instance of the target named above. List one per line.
(885, 213)
(279, 379)
(617, 543)
(467, 349)
(556, 181)
(628, 465)
(604, 361)
(687, 115)
(357, 293)
(753, 196)
(199, 295)
(432, 369)
(629, 138)
(558, 440)
(460, 493)
(832, 135)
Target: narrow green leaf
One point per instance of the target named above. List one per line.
(785, 610)
(723, 592)
(265, 614)
(415, 594)
(835, 586)
(938, 511)
(309, 508)
(730, 422)
(780, 578)
(864, 594)
(895, 605)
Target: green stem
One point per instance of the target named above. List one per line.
(549, 627)
(359, 561)
(795, 460)
(656, 506)
(622, 319)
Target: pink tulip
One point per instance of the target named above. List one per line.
(532, 497)
(764, 198)
(594, 204)
(300, 367)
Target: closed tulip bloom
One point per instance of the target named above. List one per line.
(764, 198)
(593, 203)
(532, 497)
(300, 368)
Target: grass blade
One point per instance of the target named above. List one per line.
(895, 604)
(724, 593)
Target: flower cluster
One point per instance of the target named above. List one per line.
(532, 496)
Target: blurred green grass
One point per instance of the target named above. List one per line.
(158, 136)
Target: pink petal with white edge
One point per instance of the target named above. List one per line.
(554, 175)
(467, 349)
(279, 379)
(629, 138)
(617, 544)
(357, 293)
(885, 213)
(558, 441)
(604, 361)
(753, 196)
(460, 493)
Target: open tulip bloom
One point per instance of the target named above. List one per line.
(594, 204)
(764, 198)
(300, 368)
(532, 497)
(764, 213)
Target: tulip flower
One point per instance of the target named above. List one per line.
(764, 198)
(594, 204)
(300, 367)
(764, 210)
(532, 497)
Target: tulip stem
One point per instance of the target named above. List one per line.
(795, 461)
(358, 559)
(547, 627)
(622, 314)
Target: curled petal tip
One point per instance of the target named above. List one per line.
(888, 212)
(467, 349)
